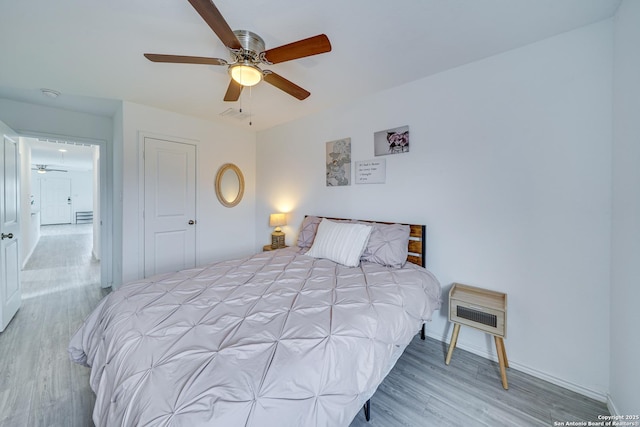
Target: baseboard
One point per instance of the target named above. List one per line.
(593, 394)
(611, 406)
(26, 259)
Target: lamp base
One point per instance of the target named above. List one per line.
(277, 240)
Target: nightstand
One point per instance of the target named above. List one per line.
(266, 248)
(484, 310)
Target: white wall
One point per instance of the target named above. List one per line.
(118, 188)
(31, 119)
(625, 292)
(29, 222)
(81, 191)
(509, 168)
(222, 232)
(95, 185)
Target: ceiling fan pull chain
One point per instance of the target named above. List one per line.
(250, 106)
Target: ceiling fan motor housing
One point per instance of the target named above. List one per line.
(252, 44)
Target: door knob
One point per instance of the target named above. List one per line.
(7, 236)
(191, 222)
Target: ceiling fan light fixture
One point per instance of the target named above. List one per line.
(245, 74)
(50, 93)
(41, 170)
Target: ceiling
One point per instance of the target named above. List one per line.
(75, 157)
(91, 52)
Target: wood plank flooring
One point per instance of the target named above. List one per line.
(39, 386)
(422, 391)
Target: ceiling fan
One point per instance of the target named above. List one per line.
(45, 169)
(247, 52)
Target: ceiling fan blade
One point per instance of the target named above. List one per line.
(233, 91)
(285, 85)
(180, 59)
(44, 168)
(214, 19)
(306, 47)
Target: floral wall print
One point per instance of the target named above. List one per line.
(339, 162)
(391, 141)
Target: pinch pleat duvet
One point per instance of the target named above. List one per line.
(276, 339)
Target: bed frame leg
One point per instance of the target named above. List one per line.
(422, 333)
(367, 410)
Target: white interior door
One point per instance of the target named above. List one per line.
(9, 228)
(169, 206)
(55, 204)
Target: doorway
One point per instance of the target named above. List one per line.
(60, 194)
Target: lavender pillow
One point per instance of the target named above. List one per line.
(308, 231)
(388, 245)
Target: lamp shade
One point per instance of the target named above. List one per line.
(277, 219)
(245, 74)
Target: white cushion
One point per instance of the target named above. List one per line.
(340, 242)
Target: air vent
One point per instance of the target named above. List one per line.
(477, 316)
(234, 114)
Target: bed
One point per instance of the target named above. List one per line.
(288, 337)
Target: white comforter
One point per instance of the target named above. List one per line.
(277, 339)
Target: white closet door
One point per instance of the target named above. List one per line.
(169, 206)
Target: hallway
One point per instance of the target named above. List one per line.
(61, 260)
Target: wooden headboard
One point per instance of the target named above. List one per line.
(417, 240)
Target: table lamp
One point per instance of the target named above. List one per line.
(277, 237)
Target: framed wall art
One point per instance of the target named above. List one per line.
(391, 141)
(339, 162)
(370, 171)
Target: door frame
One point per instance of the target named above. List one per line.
(106, 197)
(141, 190)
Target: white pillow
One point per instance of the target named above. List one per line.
(340, 242)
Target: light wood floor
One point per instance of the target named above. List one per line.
(39, 386)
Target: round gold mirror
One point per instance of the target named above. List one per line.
(229, 185)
